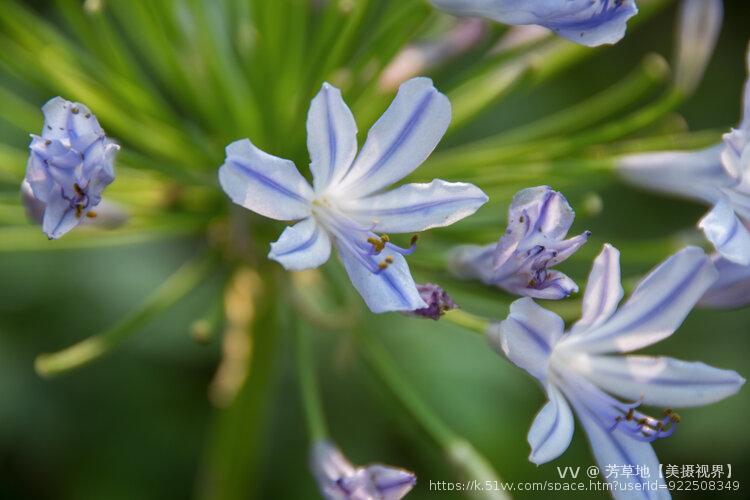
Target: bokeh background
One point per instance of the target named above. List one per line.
(139, 423)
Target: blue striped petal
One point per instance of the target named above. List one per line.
(304, 245)
(416, 207)
(552, 429)
(727, 233)
(392, 289)
(732, 289)
(663, 381)
(587, 22)
(265, 184)
(331, 137)
(527, 336)
(656, 307)
(400, 140)
(603, 290)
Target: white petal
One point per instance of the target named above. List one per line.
(527, 336)
(552, 430)
(393, 289)
(59, 217)
(617, 448)
(727, 233)
(416, 207)
(656, 308)
(400, 140)
(304, 245)
(265, 184)
(331, 137)
(662, 381)
(692, 174)
(732, 289)
(603, 290)
(699, 26)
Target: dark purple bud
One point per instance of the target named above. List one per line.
(438, 302)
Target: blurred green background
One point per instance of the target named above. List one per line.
(138, 424)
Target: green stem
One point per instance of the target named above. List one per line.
(309, 389)
(470, 322)
(459, 452)
(177, 286)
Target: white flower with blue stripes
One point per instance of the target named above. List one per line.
(587, 370)
(346, 206)
(718, 176)
(587, 22)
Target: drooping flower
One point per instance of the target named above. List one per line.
(338, 479)
(587, 22)
(718, 176)
(346, 205)
(538, 222)
(588, 368)
(438, 302)
(69, 166)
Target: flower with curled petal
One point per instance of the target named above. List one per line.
(587, 22)
(538, 222)
(588, 368)
(69, 166)
(346, 206)
(718, 176)
(338, 479)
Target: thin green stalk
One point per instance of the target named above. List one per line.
(309, 388)
(177, 286)
(460, 453)
(468, 321)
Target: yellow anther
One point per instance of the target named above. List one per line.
(91, 214)
(79, 209)
(414, 239)
(383, 265)
(389, 260)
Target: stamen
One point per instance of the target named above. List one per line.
(91, 214)
(78, 189)
(79, 209)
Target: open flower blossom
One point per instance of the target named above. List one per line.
(587, 368)
(538, 223)
(587, 22)
(718, 176)
(346, 205)
(338, 479)
(69, 166)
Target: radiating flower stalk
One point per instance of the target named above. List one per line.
(179, 109)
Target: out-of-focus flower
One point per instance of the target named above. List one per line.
(584, 367)
(346, 205)
(732, 289)
(698, 30)
(538, 222)
(719, 176)
(69, 166)
(587, 22)
(419, 58)
(338, 479)
(438, 302)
